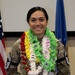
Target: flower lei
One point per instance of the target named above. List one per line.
(47, 62)
(23, 54)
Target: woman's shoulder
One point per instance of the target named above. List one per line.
(60, 45)
(16, 44)
(17, 41)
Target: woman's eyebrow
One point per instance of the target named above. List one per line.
(36, 18)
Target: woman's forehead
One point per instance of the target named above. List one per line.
(38, 14)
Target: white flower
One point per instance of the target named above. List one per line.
(45, 47)
(46, 53)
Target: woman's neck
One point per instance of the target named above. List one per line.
(40, 37)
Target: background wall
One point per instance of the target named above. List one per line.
(14, 13)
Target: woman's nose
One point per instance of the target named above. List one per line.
(37, 22)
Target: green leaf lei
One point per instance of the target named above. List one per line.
(49, 65)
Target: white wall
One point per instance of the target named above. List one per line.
(70, 14)
(0, 4)
(14, 13)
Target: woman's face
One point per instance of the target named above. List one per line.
(38, 23)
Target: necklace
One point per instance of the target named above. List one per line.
(47, 62)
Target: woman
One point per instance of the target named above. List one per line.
(36, 50)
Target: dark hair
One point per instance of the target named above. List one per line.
(32, 10)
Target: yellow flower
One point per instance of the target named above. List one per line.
(37, 60)
(27, 47)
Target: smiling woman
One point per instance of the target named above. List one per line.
(38, 21)
(37, 48)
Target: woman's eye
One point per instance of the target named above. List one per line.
(33, 20)
(41, 19)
